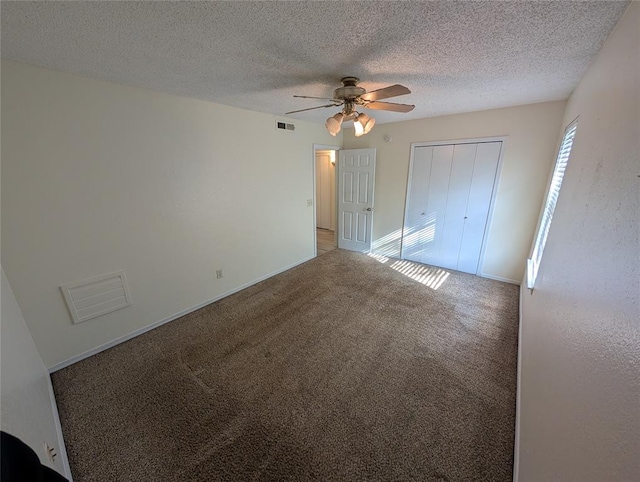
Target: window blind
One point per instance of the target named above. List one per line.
(550, 203)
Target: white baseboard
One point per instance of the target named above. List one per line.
(140, 331)
(500, 278)
(62, 451)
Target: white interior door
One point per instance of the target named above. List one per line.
(356, 171)
(448, 199)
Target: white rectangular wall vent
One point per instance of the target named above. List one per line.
(96, 296)
(285, 126)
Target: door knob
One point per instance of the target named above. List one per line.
(369, 209)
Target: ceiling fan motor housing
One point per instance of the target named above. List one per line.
(349, 91)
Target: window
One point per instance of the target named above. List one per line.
(550, 203)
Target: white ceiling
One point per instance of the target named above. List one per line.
(454, 56)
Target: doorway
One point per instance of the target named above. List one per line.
(325, 211)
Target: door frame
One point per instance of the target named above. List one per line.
(494, 191)
(323, 147)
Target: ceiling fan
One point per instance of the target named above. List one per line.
(351, 97)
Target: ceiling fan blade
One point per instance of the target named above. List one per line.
(311, 108)
(319, 98)
(389, 106)
(386, 92)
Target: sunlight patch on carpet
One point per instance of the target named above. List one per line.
(379, 257)
(429, 276)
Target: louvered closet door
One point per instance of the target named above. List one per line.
(448, 200)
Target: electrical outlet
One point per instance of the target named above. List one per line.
(309, 203)
(218, 273)
(51, 453)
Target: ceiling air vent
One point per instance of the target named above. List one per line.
(96, 296)
(285, 126)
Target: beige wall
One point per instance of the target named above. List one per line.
(98, 177)
(532, 132)
(26, 404)
(579, 410)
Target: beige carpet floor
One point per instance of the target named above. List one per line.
(345, 368)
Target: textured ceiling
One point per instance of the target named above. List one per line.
(454, 56)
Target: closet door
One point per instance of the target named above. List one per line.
(437, 203)
(457, 195)
(418, 229)
(448, 198)
(477, 215)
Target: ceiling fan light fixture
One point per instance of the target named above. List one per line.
(367, 123)
(363, 124)
(358, 128)
(334, 123)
